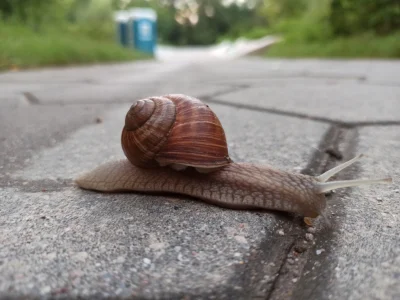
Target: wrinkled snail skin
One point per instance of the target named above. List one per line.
(236, 186)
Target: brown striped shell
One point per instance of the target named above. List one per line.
(175, 130)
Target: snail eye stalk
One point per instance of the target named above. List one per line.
(323, 186)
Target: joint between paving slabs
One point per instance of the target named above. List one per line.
(324, 157)
(333, 122)
(33, 100)
(274, 286)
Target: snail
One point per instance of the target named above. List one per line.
(176, 144)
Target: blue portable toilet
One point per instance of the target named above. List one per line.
(144, 29)
(122, 21)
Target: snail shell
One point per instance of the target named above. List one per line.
(174, 130)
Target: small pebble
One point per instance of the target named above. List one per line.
(147, 261)
(379, 199)
(309, 236)
(45, 290)
(334, 152)
(311, 229)
(281, 232)
(60, 291)
(298, 168)
(295, 280)
(300, 248)
(80, 256)
(241, 239)
(120, 259)
(319, 251)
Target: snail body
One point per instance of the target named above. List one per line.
(180, 165)
(237, 186)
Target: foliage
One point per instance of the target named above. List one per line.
(355, 16)
(58, 32)
(34, 13)
(50, 48)
(361, 46)
(276, 10)
(336, 28)
(200, 22)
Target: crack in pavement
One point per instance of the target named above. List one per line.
(305, 75)
(304, 116)
(275, 283)
(325, 233)
(291, 270)
(290, 277)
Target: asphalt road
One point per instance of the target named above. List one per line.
(57, 241)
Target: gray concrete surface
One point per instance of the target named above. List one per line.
(363, 248)
(57, 241)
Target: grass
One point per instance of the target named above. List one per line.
(22, 48)
(363, 46)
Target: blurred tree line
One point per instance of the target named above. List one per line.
(321, 19)
(201, 22)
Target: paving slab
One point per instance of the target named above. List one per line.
(60, 240)
(117, 93)
(385, 72)
(69, 84)
(93, 73)
(341, 102)
(27, 129)
(359, 256)
(339, 91)
(102, 84)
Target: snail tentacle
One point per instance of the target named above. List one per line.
(323, 186)
(333, 185)
(328, 174)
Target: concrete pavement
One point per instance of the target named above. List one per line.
(57, 241)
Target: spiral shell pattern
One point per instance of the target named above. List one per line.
(174, 130)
